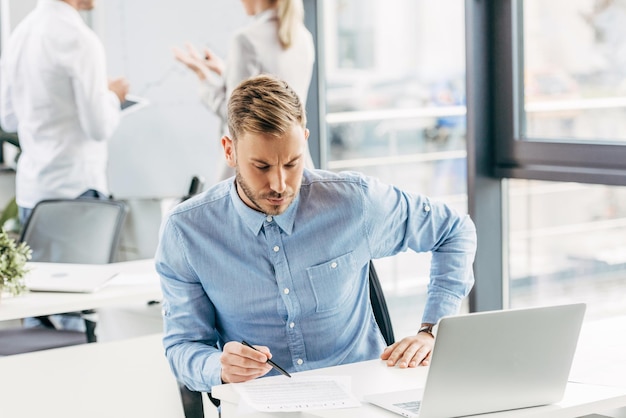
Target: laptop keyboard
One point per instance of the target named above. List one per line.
(412, 406)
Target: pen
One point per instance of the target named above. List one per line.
(270, 362)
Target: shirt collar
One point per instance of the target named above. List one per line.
(255, 219)
(266, 15)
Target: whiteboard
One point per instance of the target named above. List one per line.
(157, 150)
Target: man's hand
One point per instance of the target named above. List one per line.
(410, 351)
(241, 363)
(120, 87)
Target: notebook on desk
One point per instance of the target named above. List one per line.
(494, 361)
(73, 278)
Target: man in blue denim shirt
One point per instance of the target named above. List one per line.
(279, 255)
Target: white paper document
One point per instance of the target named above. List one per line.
(300, 393)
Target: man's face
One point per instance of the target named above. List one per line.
(268, 168)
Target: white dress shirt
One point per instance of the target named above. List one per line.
(256, 50)
(54, 93)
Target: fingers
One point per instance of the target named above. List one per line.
(208, 54)
(184, 57)
(193, 52)
(189, 56)
(179, 54)
(213, 62)
(120, 87)
(241, 363)
(410, 352)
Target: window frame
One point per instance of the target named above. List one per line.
(536, 158)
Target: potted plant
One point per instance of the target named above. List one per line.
(13, 258)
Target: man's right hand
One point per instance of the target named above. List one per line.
(120, 87)
(241, 363)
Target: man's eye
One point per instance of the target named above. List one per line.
(263, 167)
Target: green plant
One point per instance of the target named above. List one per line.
(9, 218)
(13, 258)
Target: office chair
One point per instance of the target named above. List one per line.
(196, 186)
(192, 400)
(379, 306)
(82, 231)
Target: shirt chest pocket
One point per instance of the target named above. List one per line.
(332, 282)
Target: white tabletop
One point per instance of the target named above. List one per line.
(374, 377)
(597, 380)
(137, 281)
(127, 378)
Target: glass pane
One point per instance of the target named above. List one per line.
(395, 100)
(574, 70)
(568, 244)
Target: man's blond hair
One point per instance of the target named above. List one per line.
(264, 104)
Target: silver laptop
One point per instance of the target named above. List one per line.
(494, 361)
(73, 278)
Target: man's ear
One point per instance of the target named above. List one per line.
(306, 134)
(229, 151)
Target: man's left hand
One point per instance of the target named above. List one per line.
(410, 351)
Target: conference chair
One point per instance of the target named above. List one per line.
(80, 231)
(196, 186)
(192, 400)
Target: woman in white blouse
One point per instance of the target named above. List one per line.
(276, 42)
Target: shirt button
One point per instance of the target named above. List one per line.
(286, 291)
(292, 324)
(300, 361)
(276, 248)
(269, 218)
(333, 265)
(426, 208)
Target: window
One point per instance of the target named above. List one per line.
(395, 102)
(567, 244)
(552, 173)
(574, 70)
(561, 114)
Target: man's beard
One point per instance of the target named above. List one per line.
(269, 209)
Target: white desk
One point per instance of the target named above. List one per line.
(142, 285)
(122, 379)
(599, 368)
(374, 376)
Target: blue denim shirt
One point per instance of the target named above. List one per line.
(298, 282)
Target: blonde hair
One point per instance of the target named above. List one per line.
(290, 16)
(264, 104)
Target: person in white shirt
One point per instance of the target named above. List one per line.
(55, 93)
(276, 42)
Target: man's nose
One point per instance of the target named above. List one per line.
(277, 180)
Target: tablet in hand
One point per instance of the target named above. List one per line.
(133, 103)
